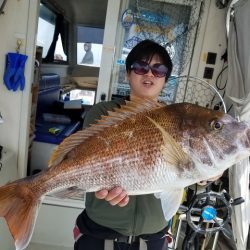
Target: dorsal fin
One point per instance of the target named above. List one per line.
(135, 106)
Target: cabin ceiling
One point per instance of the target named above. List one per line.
(87, 12)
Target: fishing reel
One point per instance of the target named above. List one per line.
(210, 212)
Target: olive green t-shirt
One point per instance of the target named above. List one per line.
(142, 215)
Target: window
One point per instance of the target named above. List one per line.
(49, 24)
(86, 97)
(89, 46)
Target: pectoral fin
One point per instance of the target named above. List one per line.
(170, 202)
(172, 151)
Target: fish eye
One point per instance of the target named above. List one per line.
(216, 125)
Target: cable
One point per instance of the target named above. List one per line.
(220, 74)
(193, 198)
(230, 108)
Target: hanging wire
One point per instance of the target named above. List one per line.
(217, 83)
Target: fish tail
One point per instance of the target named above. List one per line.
(19, 207)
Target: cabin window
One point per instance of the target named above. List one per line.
(89, 46)
(52, 36)
(86, 97)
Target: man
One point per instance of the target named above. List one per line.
(111, 214)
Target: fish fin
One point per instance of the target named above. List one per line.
(170, 202)
(72, 192)
(172, 151)
(135, 106)
(20, 212)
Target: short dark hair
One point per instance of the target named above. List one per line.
(145, 50)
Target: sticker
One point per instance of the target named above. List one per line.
(120, 61)
(153, 18)
(127, 18)
(130, 43)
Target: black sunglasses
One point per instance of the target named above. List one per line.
(142, 68)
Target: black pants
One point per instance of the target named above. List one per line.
(94, 236)
(87, 242)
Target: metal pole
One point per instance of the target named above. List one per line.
(178, 234)
(215, 240)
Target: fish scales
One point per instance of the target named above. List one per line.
(95, 156)
(149, 149)
(116, 162)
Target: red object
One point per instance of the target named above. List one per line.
(76, 232)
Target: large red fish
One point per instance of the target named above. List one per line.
(144, 147)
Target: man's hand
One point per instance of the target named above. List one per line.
(115, 196)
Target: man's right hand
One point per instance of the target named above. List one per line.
(116, 196)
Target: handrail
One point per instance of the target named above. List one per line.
(201, 81)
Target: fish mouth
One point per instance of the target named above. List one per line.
(244, 139)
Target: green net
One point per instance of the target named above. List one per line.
(173, 25)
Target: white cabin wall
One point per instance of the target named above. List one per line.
(211, 38)
(18, 22)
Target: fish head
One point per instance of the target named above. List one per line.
(214, 138)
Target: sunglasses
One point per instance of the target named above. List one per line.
(142, 68)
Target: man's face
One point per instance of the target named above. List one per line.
(86, 47)
(146, 85)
